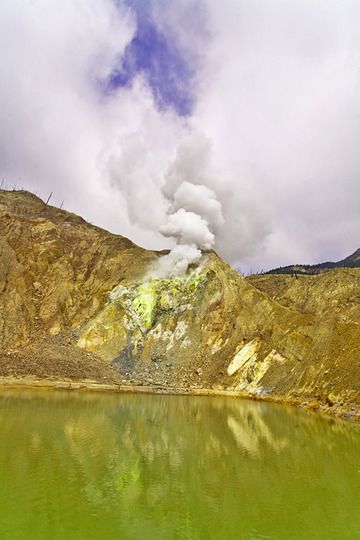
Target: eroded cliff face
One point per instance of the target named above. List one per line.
(55, 272)
(77, 302)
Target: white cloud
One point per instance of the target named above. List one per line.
(281, 103)
(271, 149)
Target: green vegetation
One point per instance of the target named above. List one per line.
(353, 261)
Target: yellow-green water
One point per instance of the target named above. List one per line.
(78, 466)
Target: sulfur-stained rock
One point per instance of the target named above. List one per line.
(77, 302)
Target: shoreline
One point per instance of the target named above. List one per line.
(342, 413)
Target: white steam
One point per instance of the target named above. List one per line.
(277, 95)
(187, 208)
(176, 262)
(201, 200)
(195, 213)
(189, 228)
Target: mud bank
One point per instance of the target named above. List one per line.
(352, 414)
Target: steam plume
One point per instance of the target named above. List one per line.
(140, 116)
(191, 210)
(195, 213)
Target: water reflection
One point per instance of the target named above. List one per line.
(76, 465)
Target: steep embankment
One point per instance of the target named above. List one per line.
(77, 302)
(55, 272)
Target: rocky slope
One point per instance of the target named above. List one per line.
(77, 302)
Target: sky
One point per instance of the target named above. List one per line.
(190, 124)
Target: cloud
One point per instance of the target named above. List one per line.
(157, 53)
(281, 105)
(142, 115)
(54, 123)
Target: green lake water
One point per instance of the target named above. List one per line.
(84, 466)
